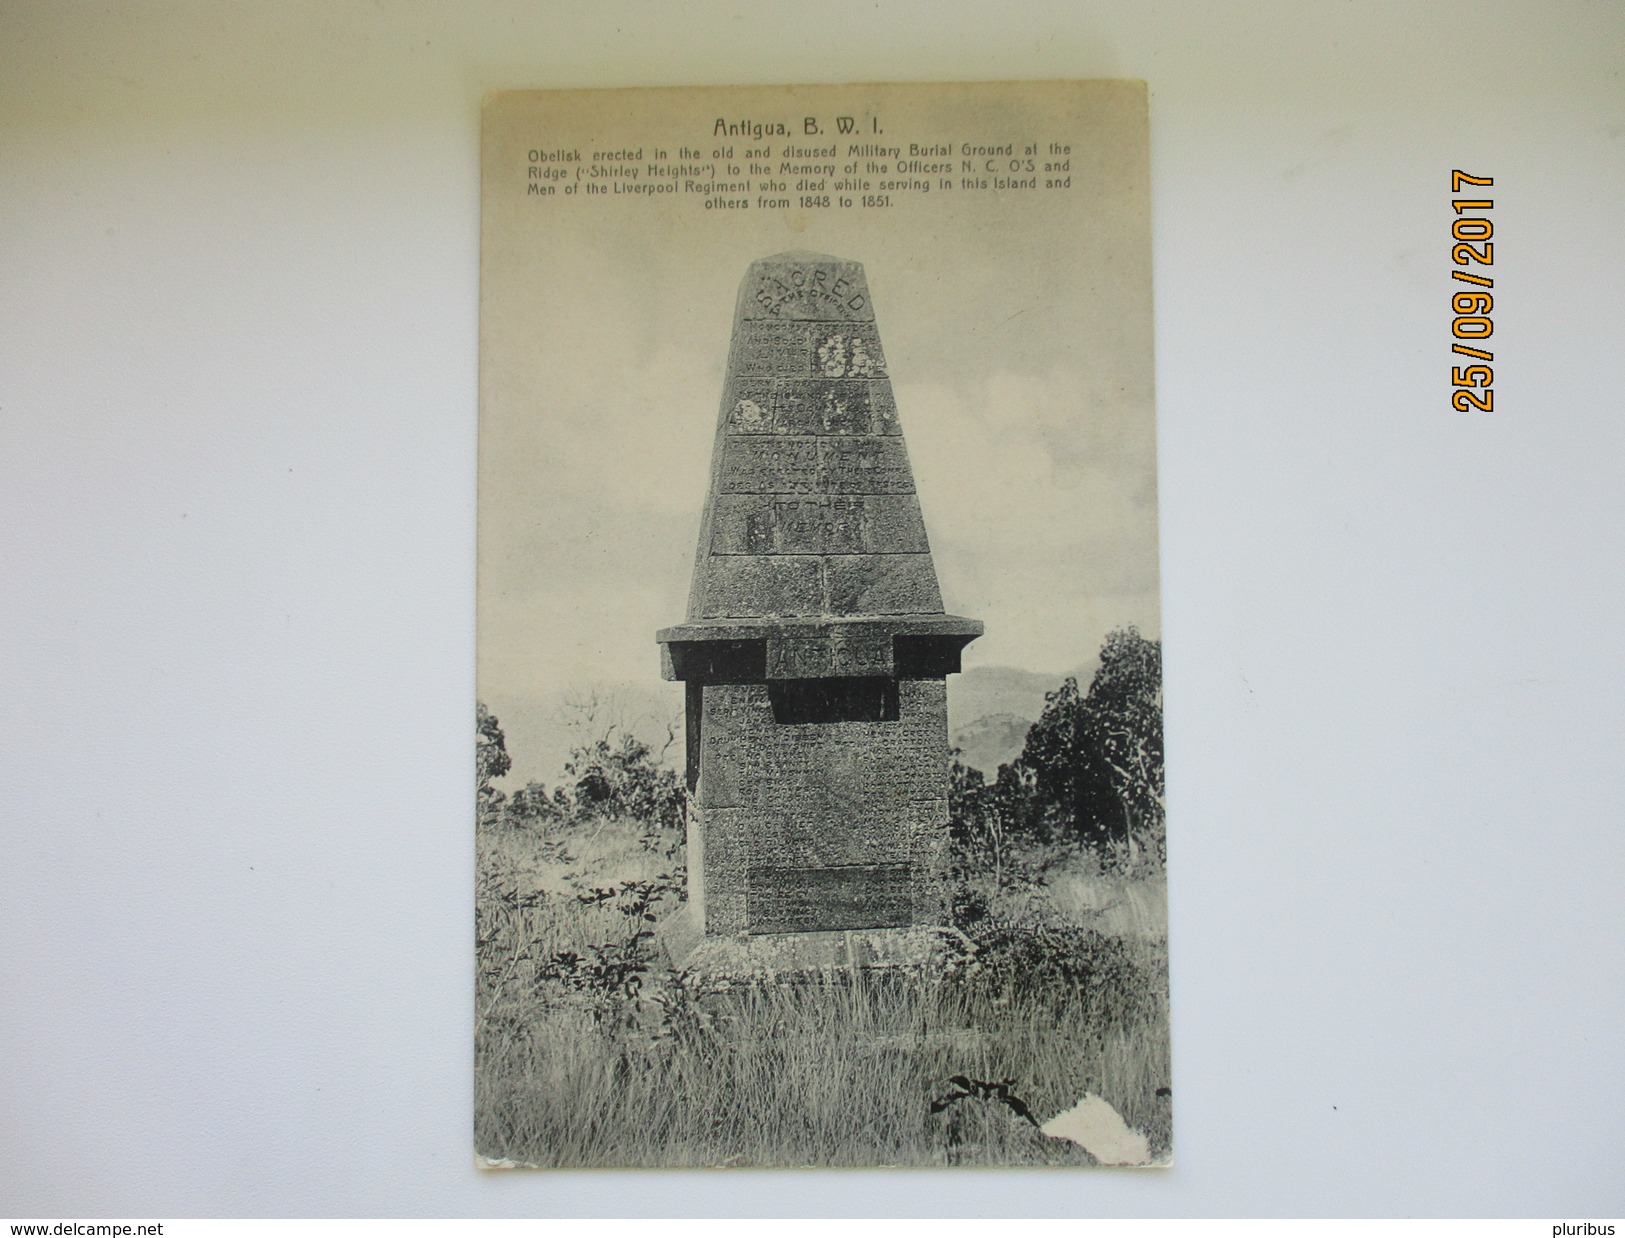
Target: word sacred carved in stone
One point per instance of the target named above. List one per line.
(812, 290)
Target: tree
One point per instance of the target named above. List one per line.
(491, 761)
(619, 775)
(1072, 792)
(1089, 774)
(1126, 726)
(1096, 757)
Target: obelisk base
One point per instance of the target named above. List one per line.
(766, 956)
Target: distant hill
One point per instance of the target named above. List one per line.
(991, 708)
(991, 741)
(985, 690)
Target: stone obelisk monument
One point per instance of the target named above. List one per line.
(816, 650)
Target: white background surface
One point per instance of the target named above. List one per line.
(237, 418)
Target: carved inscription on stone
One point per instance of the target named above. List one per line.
(752, 405)
(775, 524)
(771, 524)
(840, 405)
(808, 288)
(871, 835)
(772, 349)
(810, 406)
(822, 772)
(822, 655)
(770, 464)
(827, 771)
(926, 701)
(866, 464)
(726, 831)
(800, 900)
(764, 348)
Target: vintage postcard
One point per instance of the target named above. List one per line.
(820, 814)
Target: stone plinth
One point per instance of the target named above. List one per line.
(816, 648)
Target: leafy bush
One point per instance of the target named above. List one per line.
(1006, 963)
(614, 777)
(1090, 774)
(592, 1050)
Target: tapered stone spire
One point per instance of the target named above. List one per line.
(812, 508)
(816, 647)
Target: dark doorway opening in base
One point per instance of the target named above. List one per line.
(870, 698)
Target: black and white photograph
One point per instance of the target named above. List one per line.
(821, 816)
(686, 612)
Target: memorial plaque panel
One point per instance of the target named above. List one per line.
(772, 524)
(810, 406)
(838, 406)
(802, 900)
(888, 832)
(828, 769)
(753, 406)
(837, 523)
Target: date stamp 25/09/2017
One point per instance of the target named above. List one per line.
(1470, 245)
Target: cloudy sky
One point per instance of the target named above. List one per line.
(1017, 331)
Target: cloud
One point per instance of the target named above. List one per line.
(1040, 499)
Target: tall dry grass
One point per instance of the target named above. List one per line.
(588, 1064)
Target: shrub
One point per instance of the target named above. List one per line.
(1052, 964)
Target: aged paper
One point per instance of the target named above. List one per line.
(820, 815)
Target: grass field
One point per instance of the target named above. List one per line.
(592, 1051)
